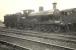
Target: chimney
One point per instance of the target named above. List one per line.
(54, 5)
(41, 9)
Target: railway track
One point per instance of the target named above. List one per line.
(59, 40)
(40, 34)
(33, 44)
(3, 29)
(8, 46)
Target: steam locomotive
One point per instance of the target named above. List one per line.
(46, 21)
(58, 21)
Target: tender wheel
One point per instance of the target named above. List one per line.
(42, 28)
(56, 28)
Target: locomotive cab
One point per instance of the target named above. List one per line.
(69, 19)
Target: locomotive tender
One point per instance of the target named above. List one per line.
(47, 21)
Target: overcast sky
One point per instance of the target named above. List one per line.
(12, 6)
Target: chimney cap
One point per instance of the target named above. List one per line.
(54, 3)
